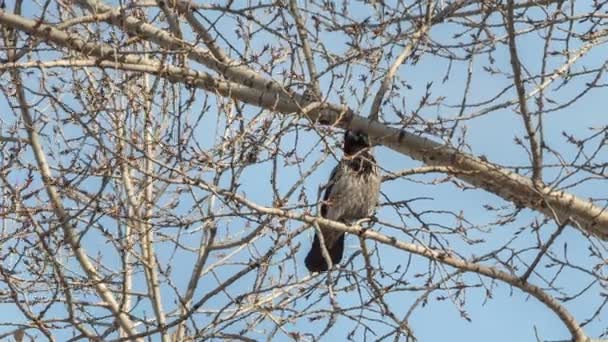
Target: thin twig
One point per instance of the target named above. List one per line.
(387, 82)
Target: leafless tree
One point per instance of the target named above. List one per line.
(161, 164)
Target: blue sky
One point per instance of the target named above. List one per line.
(510, 315)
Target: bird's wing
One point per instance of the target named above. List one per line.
(328, 190)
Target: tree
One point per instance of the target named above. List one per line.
(162, 164)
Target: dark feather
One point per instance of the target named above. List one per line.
(324, 204)
(315, 262)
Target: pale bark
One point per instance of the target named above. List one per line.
(508, 185)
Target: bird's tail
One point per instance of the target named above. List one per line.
(315, 262)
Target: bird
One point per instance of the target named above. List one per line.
(351, 194)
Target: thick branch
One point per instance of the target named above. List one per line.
(510, 186)
(165, 39)
(69, 231)
(145, 232)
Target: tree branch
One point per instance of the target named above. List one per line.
(310, 62)
(71, 236)
(512, 187)
(437, 255)
(387, 82)
(521, 95)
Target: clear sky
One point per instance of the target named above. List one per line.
(509, 315)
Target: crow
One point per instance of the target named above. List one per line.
(351, 194)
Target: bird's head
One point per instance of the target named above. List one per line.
(355, 141)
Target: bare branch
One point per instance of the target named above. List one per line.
(308, 55)
(440, 256)
(521, 94)
(387, 82)
(69, 230)
(504, 183)
(165, 165)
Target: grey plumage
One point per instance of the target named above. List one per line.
(351, 195)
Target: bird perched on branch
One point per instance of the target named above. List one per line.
(351, 194)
